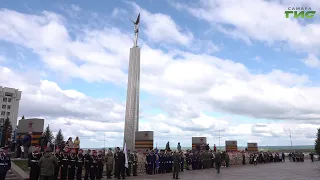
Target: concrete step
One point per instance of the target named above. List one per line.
(14, 178)
(11, 176)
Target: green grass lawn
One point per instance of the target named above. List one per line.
(23, 164)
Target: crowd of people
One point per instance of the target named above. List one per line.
(23, 144)
(73, 164)
(68, 161)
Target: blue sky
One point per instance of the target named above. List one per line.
(205, 66)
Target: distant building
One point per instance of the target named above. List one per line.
(9, 105)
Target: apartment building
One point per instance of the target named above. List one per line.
(9, 105)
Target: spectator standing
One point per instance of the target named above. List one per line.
(47, 164)
(70, 143)
(42, 141)
(26, 142)
(19, 145)
(76, 144)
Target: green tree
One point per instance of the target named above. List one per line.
(59, 138)
(48, 136)
(7, 132)
(317, 143)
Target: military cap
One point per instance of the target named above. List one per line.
(110, 149)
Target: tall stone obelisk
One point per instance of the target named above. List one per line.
(132, 104)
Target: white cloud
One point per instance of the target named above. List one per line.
(75, 7)
(119, 12)
(258, 20)
(184, 84)
(161, 28)
(312, 61)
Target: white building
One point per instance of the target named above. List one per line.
(9, 105)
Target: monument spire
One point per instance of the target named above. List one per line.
(133, 91)
(136, 31)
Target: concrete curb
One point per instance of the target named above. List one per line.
(19, 172)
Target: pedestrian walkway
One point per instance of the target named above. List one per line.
(273, 171)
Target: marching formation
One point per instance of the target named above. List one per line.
(69, 164)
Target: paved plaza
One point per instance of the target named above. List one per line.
(273, 171)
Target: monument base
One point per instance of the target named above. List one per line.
(199, 143)
(143, 141)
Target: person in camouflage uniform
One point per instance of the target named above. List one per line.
(227, 158)
(109, 163)
(130, 160)
(134, 164)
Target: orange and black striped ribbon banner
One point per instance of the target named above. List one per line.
(144, 144)
(252, 148)
(231, 148)
(35, 137)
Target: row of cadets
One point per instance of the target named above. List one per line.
(5, 162)
(70, 164)
(93, 165)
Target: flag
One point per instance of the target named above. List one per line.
(157, 159)
(125, 155)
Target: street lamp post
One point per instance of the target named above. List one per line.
(290, 138)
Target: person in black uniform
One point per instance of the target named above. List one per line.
(160, 162)
(57, 167)
(33, 160)
(5, 163)
(64, 160)
(187, 160)
(100, 161)
(79, 164)
(119, 159)
(148, 162)
(170, 162)
(87, 160)
(121, 164)
(153, 162)
(94, 166)
(72, 162)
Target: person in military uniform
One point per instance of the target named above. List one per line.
(100, 160)
(64, 160)
(243, 158)
(227, 160)
(187, 160)
(57, 168)
(218, 160)
(109, 163)
(153, 162)
(79, 164)
(119, 159)
(72, 164)
(182, 161)
(135, 164)
(5, 163)
(33, 160)
(176, 158)
(130, 160)
(94, 165)
(148, 163)
(165, 162)
(170, 160)
(161, 162)
(87, 160)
